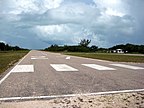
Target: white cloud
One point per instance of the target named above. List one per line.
(110, 3)
(112, 7)
(2, 41)
(58, 33)
(74, 13)
(110, 11)
(50, 4)
(28, 6)
(66, 22)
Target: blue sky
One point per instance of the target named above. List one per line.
(39, 23)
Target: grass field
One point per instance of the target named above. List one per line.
(8, 58)
(111, 57)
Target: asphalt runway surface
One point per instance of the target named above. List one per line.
(42, 73)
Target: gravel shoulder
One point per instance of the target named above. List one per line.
(122, 100)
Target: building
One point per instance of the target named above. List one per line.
(119, 51)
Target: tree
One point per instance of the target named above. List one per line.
(7, 47)
(84, 43)
(93, 48)
(2, 46)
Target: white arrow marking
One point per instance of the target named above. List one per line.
(68, 57)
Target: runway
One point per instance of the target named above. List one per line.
(45, 74)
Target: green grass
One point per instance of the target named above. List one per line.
(8, 58)
(110, 57)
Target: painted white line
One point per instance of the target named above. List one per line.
(127, 66)
(44, 53)
(70, 95)
(23, 68)
(98, 67)
(91, 59)
(38, 58)
(10, 71)
(103, 61)
(63, 67)
(68, 57)
(5, 77)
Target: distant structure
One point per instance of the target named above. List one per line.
(118, 51)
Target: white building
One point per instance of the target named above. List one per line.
(119, 51)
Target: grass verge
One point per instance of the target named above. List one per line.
(8, 58)
(110, 57)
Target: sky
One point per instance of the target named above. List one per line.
(37, 24)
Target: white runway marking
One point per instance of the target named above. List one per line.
(127, 66)
(23, 68)
(5, 77)
(63, 67)
(70, 95)
(38, 57)
(68, 57)
(103, 61)
(98, 67)
(44, 53)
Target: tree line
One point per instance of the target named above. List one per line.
(83, 46)
(7, 47)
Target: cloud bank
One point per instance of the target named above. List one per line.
(40, 23)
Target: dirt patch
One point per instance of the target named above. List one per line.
(123, 100)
